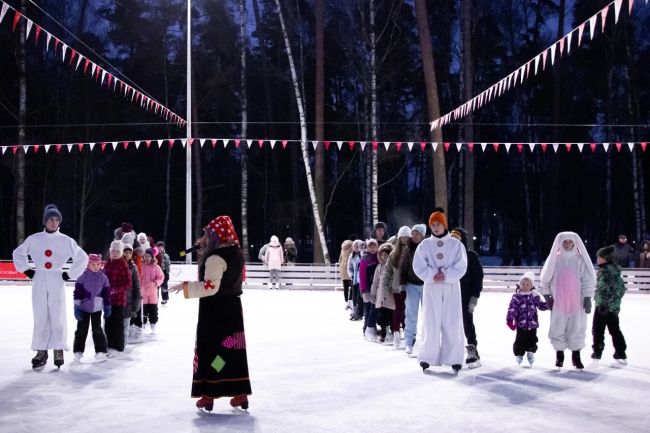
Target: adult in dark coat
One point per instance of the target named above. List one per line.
(471, 286)
(220, 361)
(624, 252)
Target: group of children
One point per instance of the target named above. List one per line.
(124, 289)
(387, 282)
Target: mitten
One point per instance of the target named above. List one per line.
(77, 313)
(586, 304)
(30, 273)
(549, 301)
(65, 276)
(511, 324)
(107, 311)
(472, 304)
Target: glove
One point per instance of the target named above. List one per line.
(549, 301)
(586, 304)
(511, 325)
(30, 273)
(65, 276)
(107, 311)
(78, 314)
(472, 304)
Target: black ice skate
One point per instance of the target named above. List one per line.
(620, 357)
(40, 359)
(58, 358)
(456, 368)
(596, 355)
(559, 358)
(424, 365)
(473, 358)
(575, 358)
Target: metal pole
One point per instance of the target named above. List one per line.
(188, 147)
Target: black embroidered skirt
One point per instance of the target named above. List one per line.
(220, 363)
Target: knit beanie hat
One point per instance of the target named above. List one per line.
(117, 246)
(160, 244)
(275, 241)
(607, 253)
(127, 246)
(420, 228)
(150, 252)
(438, 216)
(94, 258)
(128, 238)
(51, 211)
(528, 276)
(371, 241)
(404, 231)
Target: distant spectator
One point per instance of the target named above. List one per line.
(274, 257)
(624, 252)
(644, 256)
(290, 251)
(380, 232)
(261, 255)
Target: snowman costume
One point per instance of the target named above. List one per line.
(49, 252)
(569, 277)
(440, 331)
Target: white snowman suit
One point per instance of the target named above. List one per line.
(569, 277)
(49, 252)
(440, 331)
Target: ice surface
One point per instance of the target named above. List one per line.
(311, 371)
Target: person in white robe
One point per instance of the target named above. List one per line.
(440, 261)
(49, 251)
(568, 281)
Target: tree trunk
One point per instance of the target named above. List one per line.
(259, 28)
(468, 80)
(22, 119)
(244, 131)
(374, 199)
(319, 163)
(433, 103)
(303, 136)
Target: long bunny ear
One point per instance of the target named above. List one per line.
(549, 265)
(584, 254)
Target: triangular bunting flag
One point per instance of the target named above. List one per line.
(80, 146)
(314, 144)
(520, 147)
(201, 142)
(536, 63)
(103, 146)
(618, 147)
(410, 145)
(45, 146)
(592, 146)
(606, 146)
(643, 143)
(434, 145)
(375, 146)
(91, 146)
(544, 55)
(260, 143)
(630, 5)
(79, 59)
(237, 141)
(386, 144)
(327, 145)
(507, 146)
(470, 146)
(362, 144)
(125, 144)
(580, 146)
(581, 29)
(553, 53)
(603, 17)
(30, 23)
(272, 142)
(249, 143)
(531, 146)
(114, 144)
(160, 143)
(47, 41)
(64, 48)
(214, 143)
(459, 146)
(561, 47)
(568, 42)
(631, 146)
(183, 142)
(617, 9)
(137, 144)
(225, 143)
(398, 145)
(483, 146)
(3, 11)
(446, 146)
(495, 146)
(3, 148)
(14, 149)
(284, 144)
(25, 149)
(190, 141)
(69, 146)
(592, 26)
(568, 147)
(555, 147)
(17, 16)
(544, 147)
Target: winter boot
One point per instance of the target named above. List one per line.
(396, 340)
(240, 401)
(531, 358)
(575, 358)
(456, 368)
(519, 359)
(206, 403)
(559, 358)
(40, 359)
(58, 357)
(596, 355)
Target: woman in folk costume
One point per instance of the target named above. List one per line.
(220, 363)
(440, 261)
(568, 283)
(49, 250)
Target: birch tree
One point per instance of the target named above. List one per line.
(319, 151)
(303, 136)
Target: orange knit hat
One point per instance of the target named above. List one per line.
(438, 216)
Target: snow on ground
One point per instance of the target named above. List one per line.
(312, 372)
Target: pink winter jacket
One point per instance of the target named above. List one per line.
(274, 257)
(151, 278)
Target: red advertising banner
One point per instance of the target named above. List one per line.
(8, 272)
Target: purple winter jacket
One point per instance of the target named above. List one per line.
(92, 291)
(523, 309)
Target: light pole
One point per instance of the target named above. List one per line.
(188, 147)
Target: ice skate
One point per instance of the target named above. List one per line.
(575, 359)
(58, 358)
(370, 334)
(559, 358)
(620, 358)
(456, 368)
(424, 365)
(530, 356)
(409, 349)
(388, 340)
(473, 359)
(78, 356)
(113, 353)
(519, 359)
(137, 336)
(239, 401)
(205, 403)
(153, 328)
(396, 339)
(40, 359)
(596, 355)
(100, 357)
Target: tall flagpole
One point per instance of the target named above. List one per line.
(188, 147)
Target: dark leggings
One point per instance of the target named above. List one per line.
(99, 339)
(398, 314)
(347, 285)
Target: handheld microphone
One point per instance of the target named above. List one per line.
(189, 250)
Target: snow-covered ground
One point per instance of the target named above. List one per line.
(312, 372)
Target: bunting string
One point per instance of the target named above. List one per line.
(352, 145)
(73, 59)
(549, 55)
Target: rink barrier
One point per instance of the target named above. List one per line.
(310, 276)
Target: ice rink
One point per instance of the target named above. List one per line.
(311, 371)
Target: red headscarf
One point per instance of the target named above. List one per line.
(222, 228)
